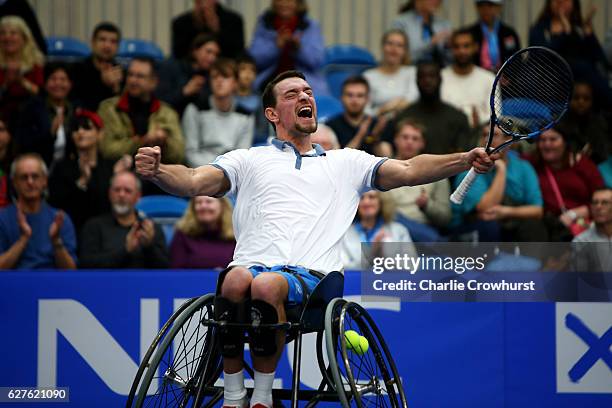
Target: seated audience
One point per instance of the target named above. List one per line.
(567, 183)
(496, 41)
(504, 204)
(426, 206)
(219, 127)
(605, 168)
(122, 238)
(248, 99)
(34, 235)
(7, 152)
(44, 124)
(325, 137)
(79, 183)
(99, 76)
(137, 118)
(588, 127)
(562, 28)
(21, 67)
(285, 38)
(212, 18)
(353, 127)
(393, 82)
(373, 225)
(187, 80)
(204, 237)
(427, 34)
(601, 214)
(465, 85)
(446, 128)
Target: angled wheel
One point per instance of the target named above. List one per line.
(363, 369)
(146, 360)
(186, 356)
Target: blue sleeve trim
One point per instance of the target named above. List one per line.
(375, 172)
(226, 176)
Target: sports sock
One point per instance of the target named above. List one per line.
(262, 393)
(234, 392)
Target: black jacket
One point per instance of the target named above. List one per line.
(507, 39)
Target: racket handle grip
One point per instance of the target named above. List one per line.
(459, 194)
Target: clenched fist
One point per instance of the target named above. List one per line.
(147, 161)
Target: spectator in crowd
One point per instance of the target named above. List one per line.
(605, 169)
(285, 38)
(427, 34)
(99, 76)
(325, 137)
(137, 118)
(7, 151)
(373, 225)
(249, 99)
(79, 182)
(446, 128)
(21, 67)
(43, 125)
(122, 238)
(562, 28)
(567, 183)
(506, 203)
(589, 128)
(608, 45)
(465, 85)
(221, 126)
(424, 207)
(208, 17)
(353, 127)
(22, 9)
(393, 82)
(496, 41)
(187, 80)
(33, 234)
(204, 237)
(601, 213)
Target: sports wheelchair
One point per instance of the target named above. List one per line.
(183, 364)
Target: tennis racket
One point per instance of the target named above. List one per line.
(531, 92)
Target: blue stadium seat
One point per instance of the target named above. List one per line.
(66, 49)
(133, 48)
(164, 210)
(327, 106)
(343, 61)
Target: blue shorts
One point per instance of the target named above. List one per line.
(295, 296)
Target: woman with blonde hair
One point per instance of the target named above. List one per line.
(393, 82)
(204, 236)
(373, 226)
(21, 65)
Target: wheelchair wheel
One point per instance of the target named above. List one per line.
(363, 378)
(146, 360)
(186, 356)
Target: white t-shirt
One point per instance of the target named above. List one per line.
(466, 92)
(292, 209)
(385, 87)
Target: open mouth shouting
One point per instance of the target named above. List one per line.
(305, 111)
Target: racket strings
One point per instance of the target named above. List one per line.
(532, 93)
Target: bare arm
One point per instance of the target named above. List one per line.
(63, 260)
(495, 194)
(427, 168)
(9, 259)
(526, 211)
(177, 179)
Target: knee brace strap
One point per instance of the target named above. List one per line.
(231, 339)
(263, 339)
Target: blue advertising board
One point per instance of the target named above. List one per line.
(87, 330)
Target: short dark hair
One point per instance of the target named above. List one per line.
(226, 67)
(268, 97)
(52, 67)
(146, 60)
(461, 31)
(356, 80)
(246, 58)
(108, 27)
(200, 40)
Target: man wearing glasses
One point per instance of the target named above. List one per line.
(34, 235)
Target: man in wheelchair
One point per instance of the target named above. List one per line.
(294, 202)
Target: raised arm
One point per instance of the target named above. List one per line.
(427, 168)
(177, 179)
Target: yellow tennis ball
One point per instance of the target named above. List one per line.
(364, 345)
(352, 340)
